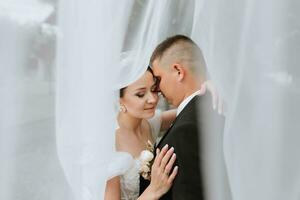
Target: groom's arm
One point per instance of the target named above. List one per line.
(189, 182)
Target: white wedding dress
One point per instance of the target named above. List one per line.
(127, 167)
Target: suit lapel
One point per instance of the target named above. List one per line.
(163, 137)
(176, 119)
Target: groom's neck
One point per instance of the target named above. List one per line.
(189, 93)
(191, 88)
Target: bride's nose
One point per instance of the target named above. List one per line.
(152, 98)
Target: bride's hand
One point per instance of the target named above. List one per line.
(218, 102)
(162, 175)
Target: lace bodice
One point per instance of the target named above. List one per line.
(130, 181)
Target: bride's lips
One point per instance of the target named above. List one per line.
(149, 108)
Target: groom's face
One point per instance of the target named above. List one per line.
(167, 83)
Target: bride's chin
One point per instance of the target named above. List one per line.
(149, 115)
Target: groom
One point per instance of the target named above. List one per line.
(180, 65)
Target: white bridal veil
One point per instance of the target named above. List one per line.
(60, 64)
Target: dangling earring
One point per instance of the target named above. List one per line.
(123, 109)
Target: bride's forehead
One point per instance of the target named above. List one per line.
(147, 77)
(145, 80)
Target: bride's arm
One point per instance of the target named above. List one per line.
(113, 190)
(113, 187)
(167, 118)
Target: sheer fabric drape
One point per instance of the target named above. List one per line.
(57, 114)
(29, 166)
(250, 47)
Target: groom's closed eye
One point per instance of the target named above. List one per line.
(155, 87)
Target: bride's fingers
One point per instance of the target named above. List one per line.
(216, 100)
(166, 159)
(160, 156)
(221, 106)
(173, 175)
(170, 164)
(214, 94)
(157, 151)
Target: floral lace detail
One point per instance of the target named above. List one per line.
(130, 182)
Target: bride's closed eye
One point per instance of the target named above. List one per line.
(140, 94)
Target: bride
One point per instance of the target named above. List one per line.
(138, 125)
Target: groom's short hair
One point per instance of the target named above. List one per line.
(180, 48)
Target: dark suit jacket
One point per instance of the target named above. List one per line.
(186, 135)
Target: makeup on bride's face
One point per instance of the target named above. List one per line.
(140, 98)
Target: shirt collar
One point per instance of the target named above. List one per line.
(183, 104)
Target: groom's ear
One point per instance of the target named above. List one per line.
(179, 71)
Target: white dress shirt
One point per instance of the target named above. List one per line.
(189, 98)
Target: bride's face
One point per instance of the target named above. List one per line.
(139, 98)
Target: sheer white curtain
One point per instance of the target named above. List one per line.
(94, 36)
(29, 166)
(251, 49)
(87, 53)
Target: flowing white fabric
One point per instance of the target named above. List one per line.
(85, 114)
(251, 50)
(27, 11)
(29, 166)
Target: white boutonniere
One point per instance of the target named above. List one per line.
(146, 161)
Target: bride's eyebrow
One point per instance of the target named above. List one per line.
(141, 88)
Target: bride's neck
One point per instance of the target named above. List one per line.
(129, 123)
